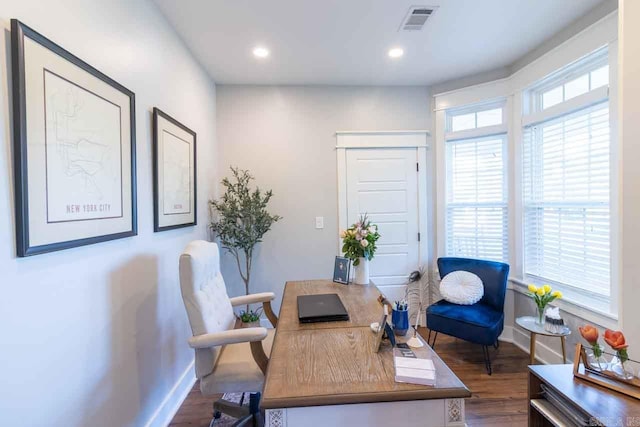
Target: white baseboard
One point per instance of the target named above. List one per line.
(521, 339)
(506, 335)
(172, 402)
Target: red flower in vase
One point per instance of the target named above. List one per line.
(615, 339)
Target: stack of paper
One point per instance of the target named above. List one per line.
(414, 370)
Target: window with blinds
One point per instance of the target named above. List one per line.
(566, 186)
(476, 198)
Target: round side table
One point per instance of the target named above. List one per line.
(529, 323)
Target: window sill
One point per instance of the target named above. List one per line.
(572, 306)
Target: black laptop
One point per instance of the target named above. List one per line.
(321, 308)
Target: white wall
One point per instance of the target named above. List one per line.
(97, 335)
(285, 135)
(629, 130)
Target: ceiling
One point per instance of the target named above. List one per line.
(345, 42)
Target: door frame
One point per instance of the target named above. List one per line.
(353, 140)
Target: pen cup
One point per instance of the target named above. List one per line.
(400, 321)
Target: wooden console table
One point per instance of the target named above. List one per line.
(598, 405)
(328, 374)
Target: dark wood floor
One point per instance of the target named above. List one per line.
(498, 400)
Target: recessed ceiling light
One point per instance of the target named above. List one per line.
(396, 52)
(260, 52)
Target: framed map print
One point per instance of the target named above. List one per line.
(174, 173)
(74, 149)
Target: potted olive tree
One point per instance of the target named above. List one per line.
(240, 219)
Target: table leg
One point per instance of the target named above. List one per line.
(532, 348)
(564, 352)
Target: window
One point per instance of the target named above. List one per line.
(578, 79)
(464, 120)
(476, 191)
(566, 187)
(576, 87)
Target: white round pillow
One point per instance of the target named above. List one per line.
(461, 287)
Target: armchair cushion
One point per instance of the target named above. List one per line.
(478, 323)
(461, 287)
(236, 370)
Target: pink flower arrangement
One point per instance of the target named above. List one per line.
(359, 240)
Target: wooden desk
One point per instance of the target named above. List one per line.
(601, 406)
(329, 374)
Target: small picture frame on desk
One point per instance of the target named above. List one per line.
(384, 332)
(341, 269)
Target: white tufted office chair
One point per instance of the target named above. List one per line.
(227, 360)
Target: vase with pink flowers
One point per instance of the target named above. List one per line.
(359, 245)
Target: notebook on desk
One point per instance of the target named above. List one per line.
(413, 369)
(321, 308)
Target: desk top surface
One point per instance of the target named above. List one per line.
(335, 362)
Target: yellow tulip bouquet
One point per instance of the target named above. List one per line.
(542, 296)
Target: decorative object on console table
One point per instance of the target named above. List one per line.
(74, 149)
(608, 378)
(359, 245)
(341, 269)
(400, 318)
(241, 220)
(174, 173)
(617, 342)
(594, 355)
(542, 296)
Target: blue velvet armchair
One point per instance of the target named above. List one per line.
(480, 323)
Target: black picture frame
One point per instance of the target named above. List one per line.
(20, 31)
(341, 270)
(380, 333)
(158, 113)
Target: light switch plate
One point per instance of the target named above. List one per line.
(319, 222)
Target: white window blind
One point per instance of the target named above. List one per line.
(566, 169)
(476, 196)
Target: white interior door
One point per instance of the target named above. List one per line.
(383, 183)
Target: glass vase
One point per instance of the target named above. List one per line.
(540, 316)
(620, 368)
(596, 363)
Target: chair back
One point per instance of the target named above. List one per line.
(205, 298)
(493, 274)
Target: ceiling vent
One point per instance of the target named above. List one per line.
(417, 16)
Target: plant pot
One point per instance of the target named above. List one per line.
(361, 272)
(400, 321)
(254, 324)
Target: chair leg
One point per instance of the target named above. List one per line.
(433, 344)
(429, 337)
(254, 408)
(487, 358)
(230, 408)
(496, 345)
